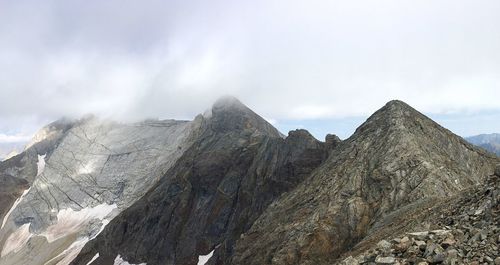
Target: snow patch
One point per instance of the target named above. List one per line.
(94, 258)
(17, 240)
(70, 253)
(203, 259)
(13, 207)
(120, 261)
(40, 164)
(74, 249)
(70, 221)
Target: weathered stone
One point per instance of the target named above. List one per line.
(452, 253)
(436, 258)
(421, 245)
(497, 170)
(403, 245)
(385, 260)
(384, 245)
(419, 235)
(332, 141)
(448, 242)
(349, 261)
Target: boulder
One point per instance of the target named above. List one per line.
(385, 260)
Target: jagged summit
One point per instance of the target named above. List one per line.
(396, 114)
(397, 103)
(229, 114)
(401, 125)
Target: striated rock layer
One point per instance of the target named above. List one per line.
(237, 166)
(80, 175)
(463, 229)
(397, 158)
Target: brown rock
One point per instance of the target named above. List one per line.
(403, 245)
(448, 242)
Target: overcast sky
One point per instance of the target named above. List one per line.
(322, 65)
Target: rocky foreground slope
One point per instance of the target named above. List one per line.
(462, 229)
(228, 188)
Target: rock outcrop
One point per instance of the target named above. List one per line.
(237, 166)
(81, 174)
(11, 188)
(464, 229)
(397, 158)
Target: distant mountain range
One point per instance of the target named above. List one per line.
(490, 142)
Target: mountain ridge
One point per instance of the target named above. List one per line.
(390, 161)
(169, 192)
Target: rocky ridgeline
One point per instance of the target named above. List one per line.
(470, 234)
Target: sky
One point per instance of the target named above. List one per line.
(320, 65)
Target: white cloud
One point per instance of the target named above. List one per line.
(14, 138)
(285, 59)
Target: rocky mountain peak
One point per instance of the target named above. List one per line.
(395, 115)
(229, 102)
(228, 114)
(396, 159)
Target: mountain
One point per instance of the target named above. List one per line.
(237, 166)
(80, 175)
(397, 158)
(225, 188)
(490, 142)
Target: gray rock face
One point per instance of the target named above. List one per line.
(464, 230)
(238, 165)
(396, 158)
(332, 140)
(82, 174)
(11, 188)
